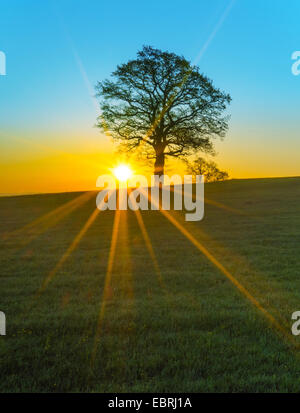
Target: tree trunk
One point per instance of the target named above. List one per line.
(159, 163)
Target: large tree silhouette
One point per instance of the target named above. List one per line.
(163, 102)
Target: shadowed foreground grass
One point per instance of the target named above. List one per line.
(178, 325)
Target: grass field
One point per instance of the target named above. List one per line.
(126, 302)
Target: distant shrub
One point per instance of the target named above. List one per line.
(207, 168)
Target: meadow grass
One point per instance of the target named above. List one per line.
(173, 323)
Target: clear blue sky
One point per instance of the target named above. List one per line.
(51, 45)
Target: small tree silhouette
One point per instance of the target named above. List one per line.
(207, 168)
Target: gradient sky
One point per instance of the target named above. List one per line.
(57, 50)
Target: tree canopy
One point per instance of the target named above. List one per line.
(162, 101)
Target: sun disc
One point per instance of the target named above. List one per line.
(122, 173)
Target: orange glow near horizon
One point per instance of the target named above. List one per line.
(32, 165)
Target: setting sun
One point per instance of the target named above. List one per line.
(122, 173)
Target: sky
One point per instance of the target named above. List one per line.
(57, 50)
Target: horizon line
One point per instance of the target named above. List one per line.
(15, 194)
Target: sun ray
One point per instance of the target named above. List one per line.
(272, 320)
(69, 251)
(71, 248)
(126, 259)
(171, 99)
(83, 73)
(154, 261)
(216, 204)
(233, 280)
(240, 261)
(43, 223)
(106, 288)
(215, 31)
(149, 247)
